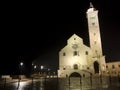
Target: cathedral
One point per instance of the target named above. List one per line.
(76, 58)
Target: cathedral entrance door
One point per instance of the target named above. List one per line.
(75, 74)
(75, 79)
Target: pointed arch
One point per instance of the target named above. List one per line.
(96, 67)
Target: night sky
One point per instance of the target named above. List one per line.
(38, 30)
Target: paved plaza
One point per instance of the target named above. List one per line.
(72, 83)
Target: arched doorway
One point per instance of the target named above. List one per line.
(96, 67)
(75, 74)
(75, 66)
(74, 79)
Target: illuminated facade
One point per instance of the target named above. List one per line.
(78, 58)
(113, 68)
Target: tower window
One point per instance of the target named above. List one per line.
(95, 42)
(75, 53)
(74, 38)
(93, 23)
(64, 68)
(113, 66)
(96, 51)
(118, 65)
(94, 34)
(106, 66)
(83, 75)
(64, 54)
(92, 17)
(75, 66)
(86, 52)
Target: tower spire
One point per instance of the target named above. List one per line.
(91, 5)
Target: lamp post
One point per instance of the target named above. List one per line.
(41, 68)
(21, 65)
(49, 72)
(34, 69)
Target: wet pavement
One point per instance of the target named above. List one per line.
(63, 84)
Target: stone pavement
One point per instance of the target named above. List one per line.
(13, 81)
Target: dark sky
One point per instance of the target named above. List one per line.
(40, 29)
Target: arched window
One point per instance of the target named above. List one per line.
(86, 52)
(75, 66)
(113, 66)
(75, 53)
(118, 65)
(106, 66)
(64, 54)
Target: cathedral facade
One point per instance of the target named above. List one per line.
(78, 59)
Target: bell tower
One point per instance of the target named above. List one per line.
(94, 31)
(95, 38)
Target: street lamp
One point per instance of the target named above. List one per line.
(21, 64)
(35, 67)
(32, 64)
(41, 67)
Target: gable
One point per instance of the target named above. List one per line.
(75, 39)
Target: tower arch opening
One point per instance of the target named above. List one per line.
(96, 67)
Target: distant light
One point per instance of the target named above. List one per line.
(32, 64)
(42, 67)
(35, 67)
(21, 64)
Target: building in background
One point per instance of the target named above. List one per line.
(113, 68)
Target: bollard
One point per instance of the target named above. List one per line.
(80, 84)
(4, 83)
(69, 81)
(110, 79)
(42, 81)
(45, 82)
(57, 82)
(91, 80)
(32, 82)
(100, 79)
(119, 78)
(18, 83)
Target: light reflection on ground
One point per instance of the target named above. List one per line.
(21, 85)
